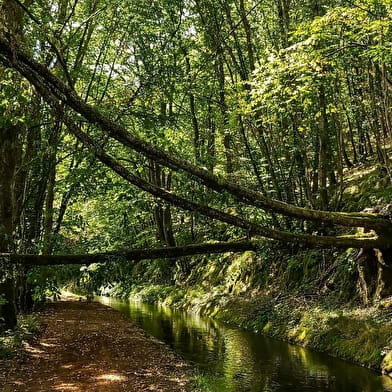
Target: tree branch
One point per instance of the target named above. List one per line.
(69, 97)
(131, 254)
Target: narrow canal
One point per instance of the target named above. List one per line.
(234, 360)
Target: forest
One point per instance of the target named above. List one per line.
(238, 144)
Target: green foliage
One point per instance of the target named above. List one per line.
(47, 281)
(14, 96)
(282, 101)
(11, 342)
(201, 382)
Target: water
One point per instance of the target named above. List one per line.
(233, 360)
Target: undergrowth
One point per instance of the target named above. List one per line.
(12, 341)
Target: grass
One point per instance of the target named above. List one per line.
(201, 382)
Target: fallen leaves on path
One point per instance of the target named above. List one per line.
(92, 348)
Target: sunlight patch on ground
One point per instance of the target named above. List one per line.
(48, 344)
(34, 351)
(67, 366)
(67, 387)
(360, 172)
(112, 377)
(69, 296)
(19, 383)
(105, 300)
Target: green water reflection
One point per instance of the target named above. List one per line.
(234, 360)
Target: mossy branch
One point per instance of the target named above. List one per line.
(22, 62)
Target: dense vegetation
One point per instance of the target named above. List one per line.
(132, 124)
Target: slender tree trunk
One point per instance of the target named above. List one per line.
(192, 107)
(211, 150)
(227, 138)
(248, 33)
(323, 152)
(48, 224)
(284, 21)
(162, 212)
(8, 160)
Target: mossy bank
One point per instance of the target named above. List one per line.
(277, 295)
(357, 334)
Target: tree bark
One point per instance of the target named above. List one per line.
(8, 310)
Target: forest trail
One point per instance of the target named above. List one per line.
(92, 348)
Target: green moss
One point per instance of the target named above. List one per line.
(357, 335)
(366, 188)
(341, 333)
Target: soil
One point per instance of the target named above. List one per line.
(88, 347)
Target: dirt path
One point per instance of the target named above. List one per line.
(92, 348)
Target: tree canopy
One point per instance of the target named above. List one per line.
(246, 113)
(142, 130)
(162, 129)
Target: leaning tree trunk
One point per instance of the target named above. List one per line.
(36, 73)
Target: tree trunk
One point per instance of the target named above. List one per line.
(248, 34)
(8, 160)
(197, 142)
(48, 216)
(8, 310)
(134, 254)
(162, 213)
(374, 274)
(284, 21)
(323, 152)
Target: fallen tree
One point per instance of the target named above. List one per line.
(60, 97)
(68, 105)
(132, 254)
(347, 241)
(57, 94)
(37, 73)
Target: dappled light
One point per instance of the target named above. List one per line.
(231, 158)
(68, 366)
(111, 377)
(97, 354)
(35, 352)
(67, 387)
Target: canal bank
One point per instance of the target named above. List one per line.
(361, 335)
(231, 359)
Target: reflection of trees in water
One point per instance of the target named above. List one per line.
(195, 335)
(240, 361)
